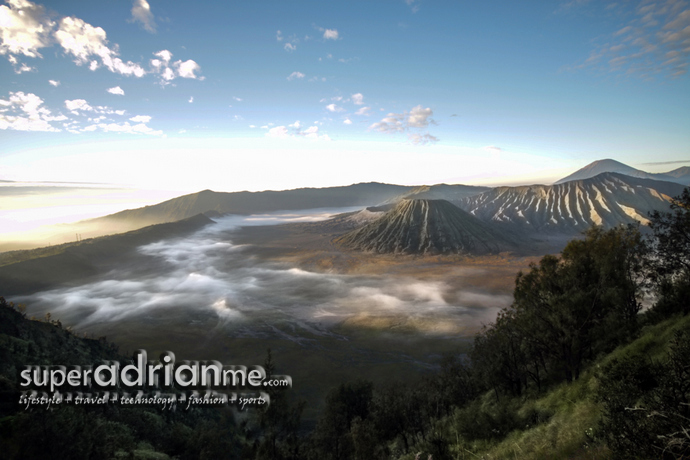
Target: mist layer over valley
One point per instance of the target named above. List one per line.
(204, 296)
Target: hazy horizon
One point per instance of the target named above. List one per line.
(31, 210)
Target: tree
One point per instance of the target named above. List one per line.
(279, 421)
(565, 312)
(671, 256)
(345, 404)
(646, 405)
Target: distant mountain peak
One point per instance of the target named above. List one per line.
(608, 165)
(603, 166)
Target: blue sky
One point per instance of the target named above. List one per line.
(274, 94)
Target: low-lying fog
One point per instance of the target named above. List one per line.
(210, 288)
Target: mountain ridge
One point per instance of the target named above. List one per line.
(608, 199)
(245, 202)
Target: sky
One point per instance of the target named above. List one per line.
(185, 96)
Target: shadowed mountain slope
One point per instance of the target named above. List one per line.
(426, 227)
(608, 199)
(681, 175)
(22, 272)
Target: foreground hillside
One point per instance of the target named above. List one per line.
(573, 420)
(72, 432)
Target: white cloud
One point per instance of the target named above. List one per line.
(422, 139)
(140, 119)
(191, 99)
(167, 75)
(24, 29)
(347, 121)
(24, 112)
(23, 68)
(393, 123)
(411, 3)
(168, 72)
(187, 68)
(290, 42)
(282, 132)
(330, 34)
(345, 61)
(295, 74)
(358, 99)
(311, 132)
(84, 41)
(116, 90)
(415, 119)
(363, 111)
(165, 55)
(492, 149)
(252, 126)
(334, 108)
(141, 12)
(125, 127)
(238, 99)
(655, 40)
(279, 132)
(77, 104)
(419, 117)
(54, 82)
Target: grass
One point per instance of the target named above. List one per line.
(568, 414)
